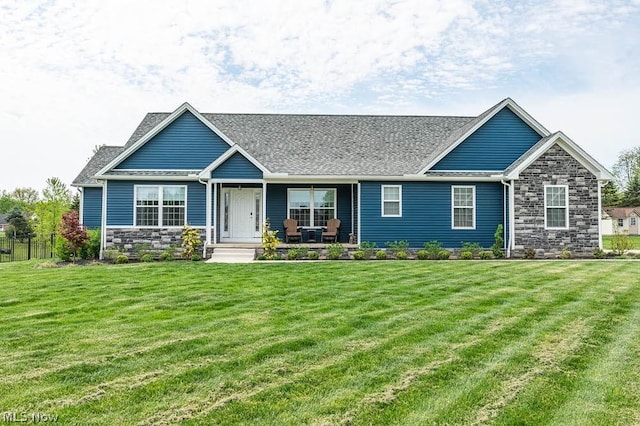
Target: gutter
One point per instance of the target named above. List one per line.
(511, 213)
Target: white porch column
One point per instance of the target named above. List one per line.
(208, 210)
(264, 204)
(215, 211)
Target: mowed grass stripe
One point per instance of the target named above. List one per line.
(286, 343)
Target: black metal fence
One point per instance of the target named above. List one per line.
(16, 249)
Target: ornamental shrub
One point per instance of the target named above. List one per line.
(313, 255)
(270, 240)
(466, 255)
(401, 255)
(444, 254)
(368, 248)
(423, 255)
(397, 246)
(486, 255)
(121, 259)
(359, 255)
(432, 248)
(146, 257)
(381, 255)
(496, 248)
(335, 251)
(190, 241)
(474, 248)
(91, 250)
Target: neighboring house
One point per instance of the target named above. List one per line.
(387, 178)
(3, 222)
(623, 219)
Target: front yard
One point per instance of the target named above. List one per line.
(323, 343)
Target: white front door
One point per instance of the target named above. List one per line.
(240, 216)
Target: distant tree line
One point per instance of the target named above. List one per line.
(30, 213)
(625, 190)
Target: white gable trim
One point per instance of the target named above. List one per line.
(157, 129)
(572, 148)
(205, 174)
(508, 103)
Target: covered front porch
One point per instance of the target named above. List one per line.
(238, 209)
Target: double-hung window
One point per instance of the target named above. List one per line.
(391, 200)
(556, 206)
(463, 206)
(312, 207)
(160, 205)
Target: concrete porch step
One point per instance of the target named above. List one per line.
(232, 255)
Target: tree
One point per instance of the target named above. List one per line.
(18, 226)
(22, 198)
(56, 201)
(632, 194)
(73, 232)
(611, 195)
(627, 166)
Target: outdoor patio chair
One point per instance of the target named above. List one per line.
(332, 231)
(292, 231)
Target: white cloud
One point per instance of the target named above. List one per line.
(75, 75)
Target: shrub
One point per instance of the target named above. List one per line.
(120, 259)
(444, 254)
(466, 255)
(598, 253)
(496, 248)
(565, 254)
(63, 249)
(313, 255)
(620, 243)
(432, 248)
(486, 255)
(529, 253)
(359, 255)
(111, 254)
(335, 251)
(74, 233)
(261, 257)
(397, 246)
(368, 248)
(91, 250)
(166, 256)
(297, 253)
(270, 240)
(474, 248)
(190, 241)
(147, 257)
(195, 257)
(401, 255)
(423, 255)
(141, 250)
(381, 255)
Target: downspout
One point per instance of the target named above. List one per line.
(103, 225)
(208, 219)
(511, 213)
(600, 184)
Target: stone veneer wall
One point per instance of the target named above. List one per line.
(125, 240)
(556, 167)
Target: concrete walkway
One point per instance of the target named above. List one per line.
(232, 255)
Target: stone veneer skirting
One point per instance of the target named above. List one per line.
(127, 240)
(556, 167)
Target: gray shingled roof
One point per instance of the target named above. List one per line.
(100, 159)
(323, 144)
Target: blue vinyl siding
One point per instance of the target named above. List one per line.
(277, 207)
(185, 144)
(426, 214)
(237, 167)
(120, 201)
(494, 146)
(92, 207)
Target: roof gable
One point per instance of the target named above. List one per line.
(562, 140)
(509, 114)
(234, 164)
(172, 142)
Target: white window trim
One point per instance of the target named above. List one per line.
(453, 207)
(160, 205)
(566, 206)
(399, 200)
(311, 206)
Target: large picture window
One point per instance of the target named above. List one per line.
(391, 200)
(312, 207)
(463, 202)
(556, 206)
(160, 205)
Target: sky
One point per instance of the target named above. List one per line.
(74, 75)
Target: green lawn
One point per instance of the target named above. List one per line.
(606, 241)
(323, 343)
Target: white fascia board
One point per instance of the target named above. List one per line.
(404, 178)
(193, 178)
(87, 185)
(205, 173)
(158, 128)
(572, 149)
(514, 107)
